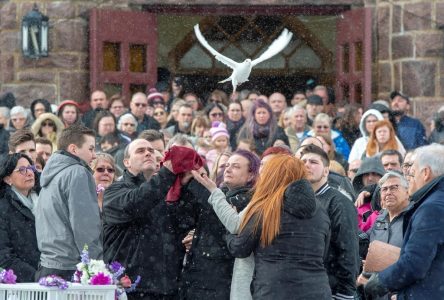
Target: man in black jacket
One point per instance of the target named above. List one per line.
(342, 262)
(137, 229)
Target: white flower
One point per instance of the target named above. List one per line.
(96, 266)
(85, 278)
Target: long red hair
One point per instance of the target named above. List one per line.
(276, 175)
(373, 146)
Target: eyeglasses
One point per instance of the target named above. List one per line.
(24, 170)
(129, 124)
(140, 104)
(391, 188)
(217, 114)
(48, 123)
(322, 127)
(102, 170)
(160, 113)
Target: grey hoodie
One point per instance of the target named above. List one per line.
(67, 213)
(369, 165)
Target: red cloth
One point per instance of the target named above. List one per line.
(183, 160)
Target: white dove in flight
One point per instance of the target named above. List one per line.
(241, 71)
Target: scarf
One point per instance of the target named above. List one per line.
(183, 160)
(30, 201)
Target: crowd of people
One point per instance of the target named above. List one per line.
(242, 197)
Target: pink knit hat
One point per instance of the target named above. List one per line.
(218, 129)
(154, 94)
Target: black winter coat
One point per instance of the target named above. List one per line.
(209, 266)
(233, 129)
(343, 260)
(18, 241)
(138, 231)
(4, 138)
(292, 267)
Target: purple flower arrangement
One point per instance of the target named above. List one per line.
(96, 272)
(53, 280)
(8, 277)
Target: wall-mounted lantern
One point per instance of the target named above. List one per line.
(35, 34)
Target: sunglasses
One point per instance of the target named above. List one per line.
(129, 124)
(102, 170)
(24, 170)
(160, 113)
(48, 123)
(217, 114)
(140, 104)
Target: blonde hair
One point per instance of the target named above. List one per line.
(106, 157)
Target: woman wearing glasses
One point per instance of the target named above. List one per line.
(322, 125)
(18, 242)
(215, 112)
(48, 126)
(161, 116)
(104, 173)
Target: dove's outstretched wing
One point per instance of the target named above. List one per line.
(223, 59)
(277, 46)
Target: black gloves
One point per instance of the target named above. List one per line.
(374, 286)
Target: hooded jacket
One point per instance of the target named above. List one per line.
(67, 213)
(292, 266)
(369, 165)
(360, 144)
(37, 125)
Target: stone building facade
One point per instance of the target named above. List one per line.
(407, 47)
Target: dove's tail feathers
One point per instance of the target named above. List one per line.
(234, 82)
(225, 80)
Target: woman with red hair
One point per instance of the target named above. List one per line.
(383, 137)
(288, 231)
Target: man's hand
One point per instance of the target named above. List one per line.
(188, 240)
(203, 179)
(361, 280)
(374, 286)
(361, 197)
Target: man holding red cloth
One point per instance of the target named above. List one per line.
(138, 228)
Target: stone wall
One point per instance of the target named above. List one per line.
(64, 74)
(410, 52)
